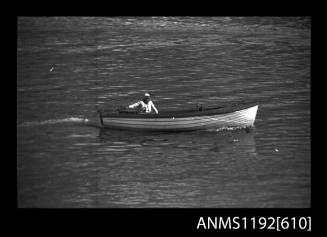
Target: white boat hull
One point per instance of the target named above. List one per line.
(241, 118)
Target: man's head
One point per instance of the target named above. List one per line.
(147, 97)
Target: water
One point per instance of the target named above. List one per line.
(69, 66)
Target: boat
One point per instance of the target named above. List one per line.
(217, 118)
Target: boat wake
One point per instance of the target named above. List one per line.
(231, 128)
(54, 121)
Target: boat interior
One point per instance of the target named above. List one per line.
(199, 111)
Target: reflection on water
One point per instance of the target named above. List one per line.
(202, 141)
(166, 169)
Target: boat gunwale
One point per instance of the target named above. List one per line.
(183, 113)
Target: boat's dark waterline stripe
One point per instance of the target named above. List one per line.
(205, 126)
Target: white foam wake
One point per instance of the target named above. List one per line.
(54, 121)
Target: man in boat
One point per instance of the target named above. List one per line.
(145, 106)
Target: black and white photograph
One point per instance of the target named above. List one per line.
(163, 112)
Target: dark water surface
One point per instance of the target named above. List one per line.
(67, 67)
